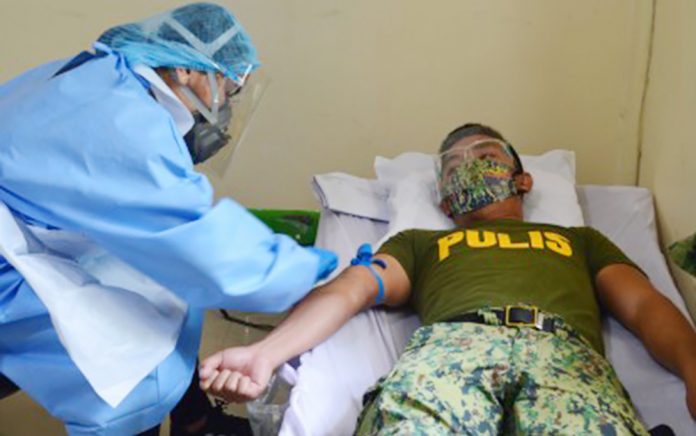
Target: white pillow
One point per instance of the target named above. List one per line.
(411, 180)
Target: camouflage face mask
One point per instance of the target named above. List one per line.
(474, 184)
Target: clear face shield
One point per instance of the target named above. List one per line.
(219, 130)
(475, 175)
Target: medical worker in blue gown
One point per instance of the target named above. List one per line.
(97, 157)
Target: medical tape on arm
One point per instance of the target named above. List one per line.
(365, 257)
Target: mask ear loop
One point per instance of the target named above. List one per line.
(518, 162)
(214, 91)
(241, 80)
(439, 174)
(210, 116)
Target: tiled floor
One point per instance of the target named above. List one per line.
(20, 416)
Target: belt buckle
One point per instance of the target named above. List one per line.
(536, 322)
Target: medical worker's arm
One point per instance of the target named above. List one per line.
(664, 331)
(241, 374)
(92, 153)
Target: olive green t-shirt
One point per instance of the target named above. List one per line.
(501, 262)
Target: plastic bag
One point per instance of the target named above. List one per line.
(266, 412)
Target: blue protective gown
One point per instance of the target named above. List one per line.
(91, 151)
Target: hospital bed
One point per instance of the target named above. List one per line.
(332, 377)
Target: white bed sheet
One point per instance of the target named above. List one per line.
(332, 378)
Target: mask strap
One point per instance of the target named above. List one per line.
(215, 94)
(210, 115)
(241, 80)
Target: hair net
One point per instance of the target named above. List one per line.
(200, 36)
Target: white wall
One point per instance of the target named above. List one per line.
(353, 79)
(668, 165)
(361, 78)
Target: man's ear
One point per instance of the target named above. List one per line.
(174, 77)
(524, 182)
(445, 209)
(181, 75)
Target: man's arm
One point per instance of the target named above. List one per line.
(667, 335)
(241, 374)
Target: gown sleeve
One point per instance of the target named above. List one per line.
(91, 151)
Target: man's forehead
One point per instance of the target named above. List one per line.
(476, 144)
(468, 140)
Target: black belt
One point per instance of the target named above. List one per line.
(512, 316)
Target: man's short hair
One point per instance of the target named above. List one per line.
(471, 129)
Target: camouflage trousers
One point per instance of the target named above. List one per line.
(468, 378)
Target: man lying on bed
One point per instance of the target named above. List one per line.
(511, 336)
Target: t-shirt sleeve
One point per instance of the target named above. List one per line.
(601, 252)
(401, 247)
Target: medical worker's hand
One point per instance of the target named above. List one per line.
(236, 374)
(328, 261)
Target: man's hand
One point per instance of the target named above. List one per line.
(242, 374)
(236, 374)
(664, 331)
